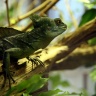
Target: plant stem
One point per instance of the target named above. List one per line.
(31, 12)
(74, 21)
(7, 8)
(48, 7)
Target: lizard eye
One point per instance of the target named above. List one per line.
(58, 21)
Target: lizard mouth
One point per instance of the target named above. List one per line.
(65, 26)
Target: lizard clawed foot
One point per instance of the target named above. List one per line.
(35, 61)
(8, 75)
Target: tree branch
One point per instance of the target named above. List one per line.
(79, 57)
(74, 21)
(48, 7)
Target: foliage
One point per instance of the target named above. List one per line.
(50, 93)
(89, 3)
(58, 92)
(36, 82)
(92, 41)
(93, 74)
(56, 80)
(84, 92)
(87, 16)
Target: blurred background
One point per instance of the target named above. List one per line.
(74, 13)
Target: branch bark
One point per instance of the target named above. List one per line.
(79, 57)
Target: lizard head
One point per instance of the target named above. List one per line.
(54, 27)
(50, 27)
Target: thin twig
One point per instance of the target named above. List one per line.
(74, 21)
(48, 7)
(31, 12)
(7, 8)
(27, 27)
(32, 5)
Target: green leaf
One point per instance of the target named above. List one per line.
(36, 85)
(30, 85)
(66, 92)
(23, 85)
(89, 3)
(93, 74)
(84, 1)
(65, 83)
(92, 41)
(87, 16)
(84, 92)
(25, 94)
(50, 93)
(55, 80)
(10, 91)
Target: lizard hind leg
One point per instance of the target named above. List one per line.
(5, 68)
(7, 75)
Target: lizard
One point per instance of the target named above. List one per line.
(22, 44)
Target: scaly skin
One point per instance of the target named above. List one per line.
(24, 44)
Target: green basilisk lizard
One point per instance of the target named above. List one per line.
(17, 44)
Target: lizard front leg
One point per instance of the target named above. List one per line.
(35, 61)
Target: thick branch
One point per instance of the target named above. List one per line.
(81, 56)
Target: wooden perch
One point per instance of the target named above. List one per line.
(51, 54)
(80, 56)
